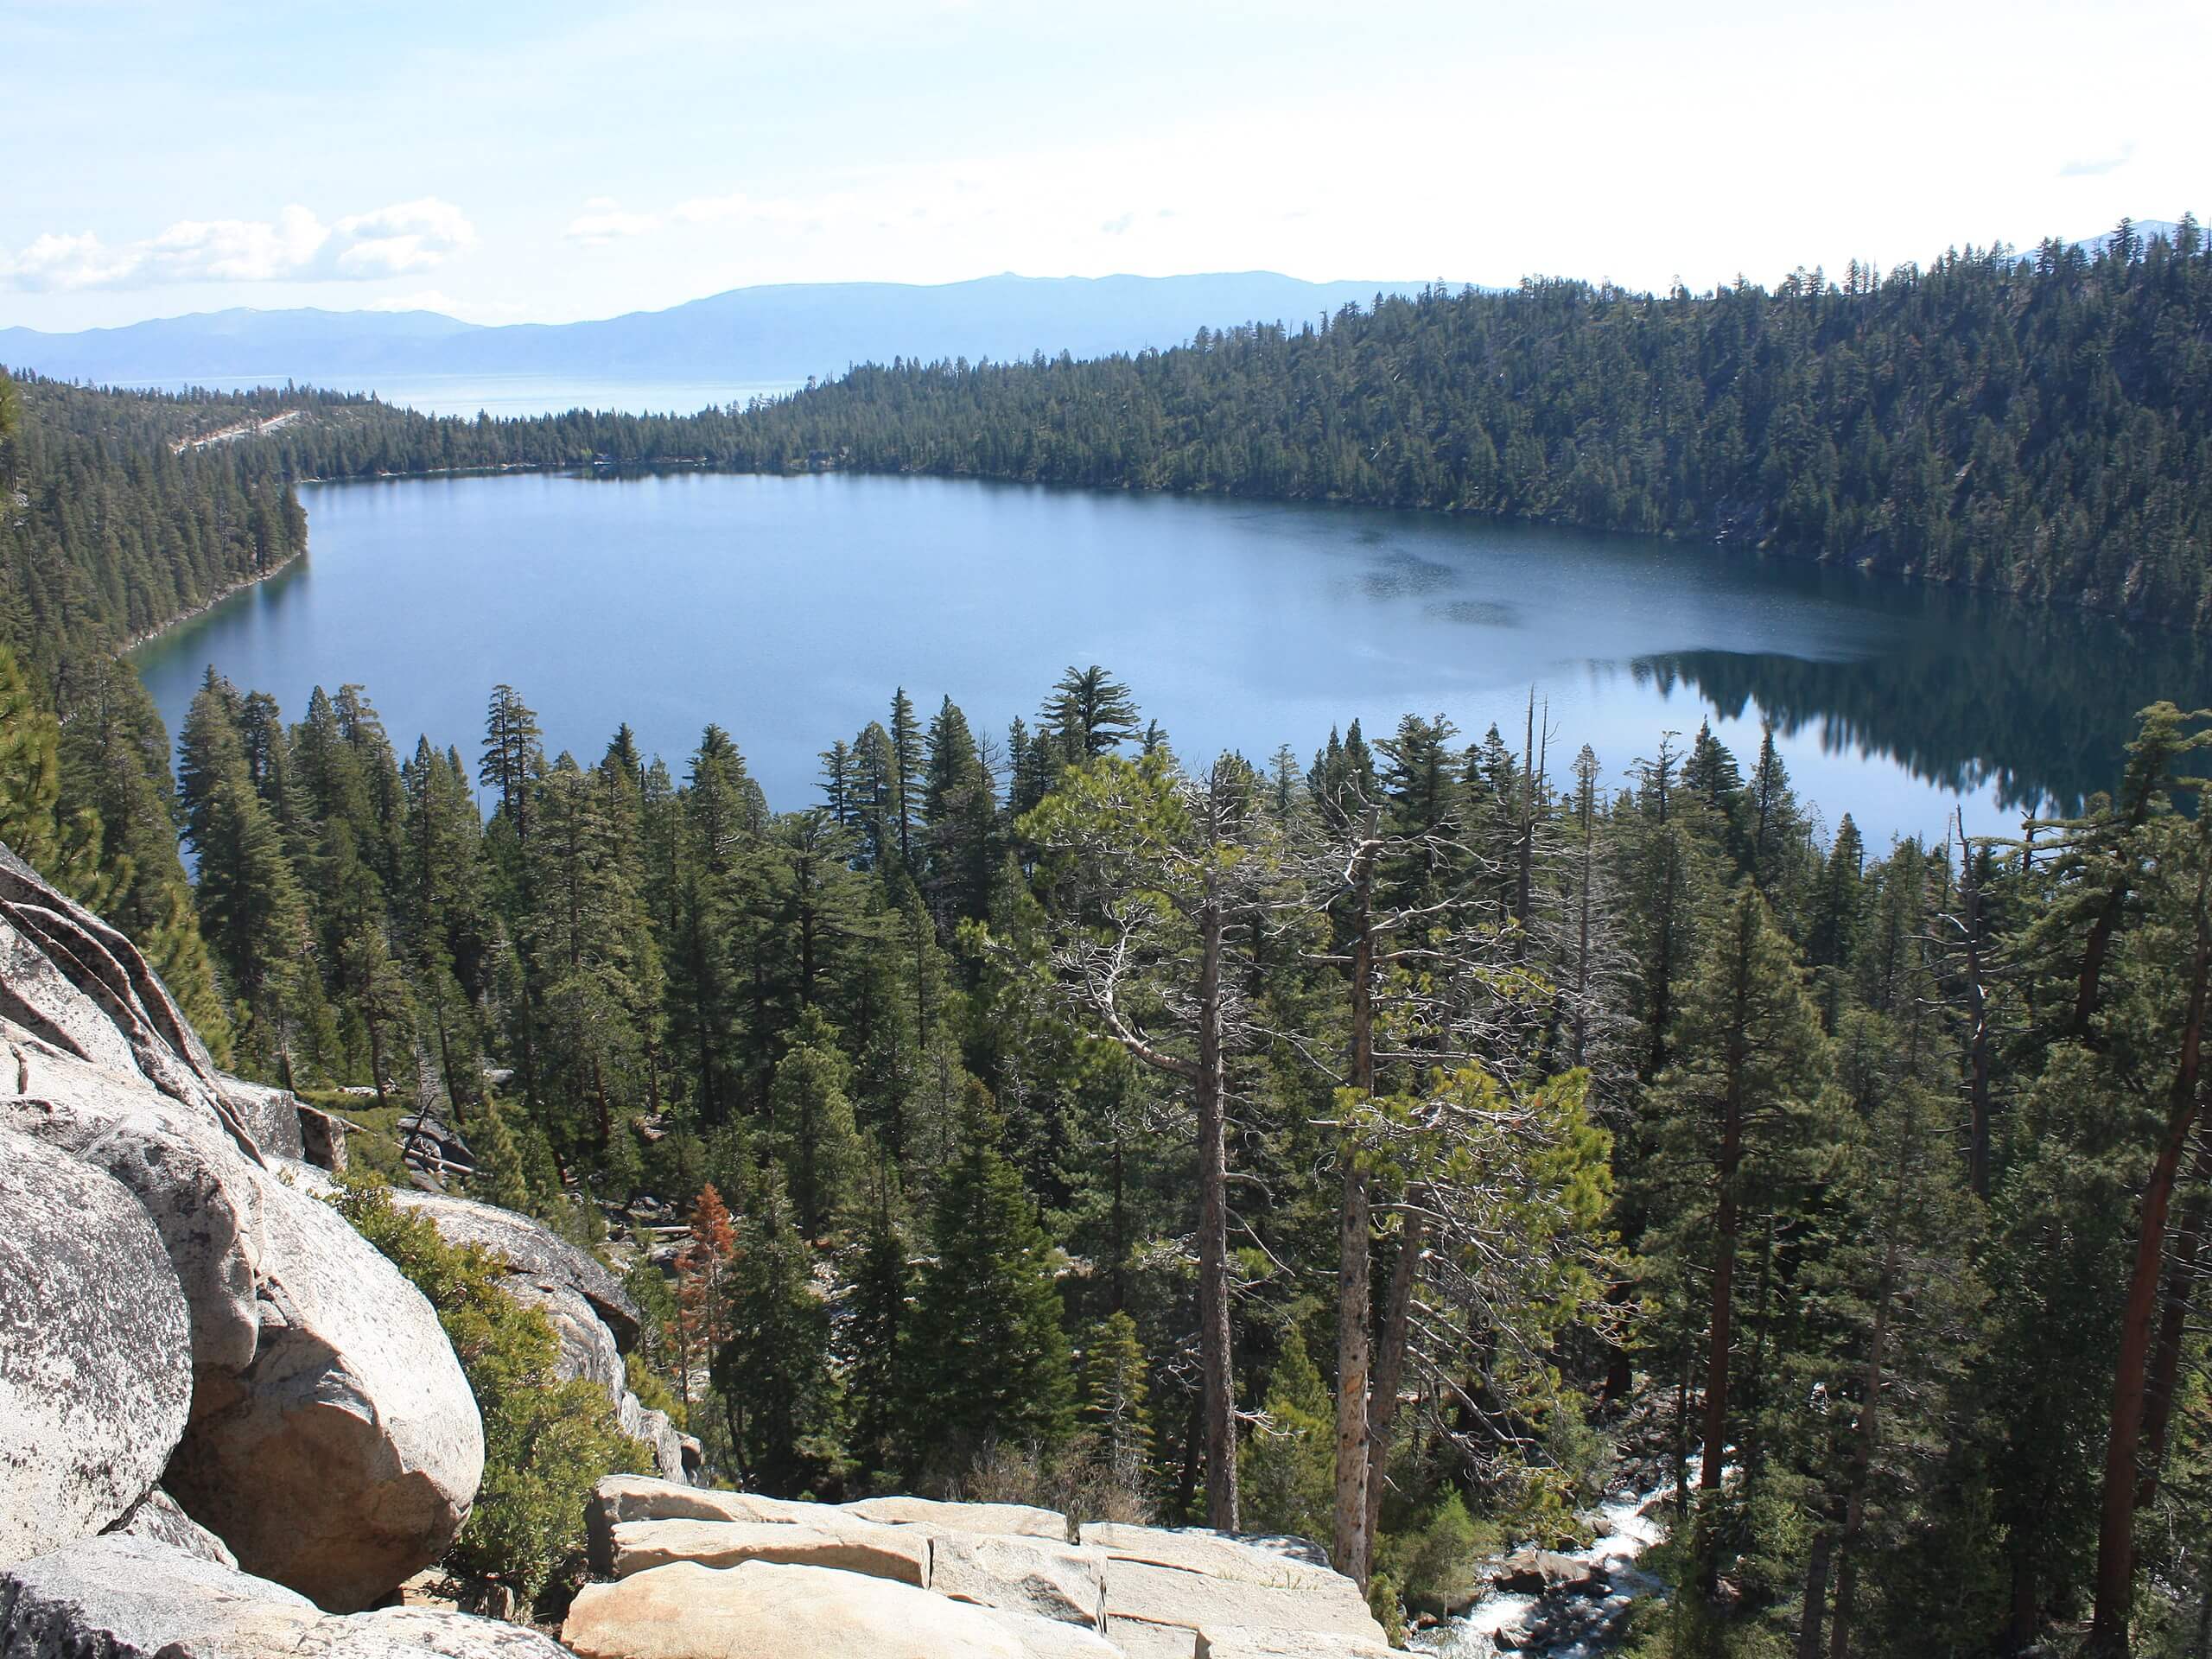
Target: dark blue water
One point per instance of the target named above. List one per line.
(788, 609)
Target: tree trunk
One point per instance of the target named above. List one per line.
(1862, 1457)
(1213, 1232)
(2173, 1324)
(1389, 1374)
(1354, 1312)
(1815, 1608)
(1721, 1316)
(2115, 1579)
(1978, 1018)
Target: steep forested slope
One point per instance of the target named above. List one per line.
(2039, 425)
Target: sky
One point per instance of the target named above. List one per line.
(548, 161)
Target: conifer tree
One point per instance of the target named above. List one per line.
(772, 1368)
(987, 1356)
(814, 1137)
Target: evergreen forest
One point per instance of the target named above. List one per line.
(1399, 1144)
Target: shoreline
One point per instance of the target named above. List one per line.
(135, 641)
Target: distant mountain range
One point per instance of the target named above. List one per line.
(782, 333)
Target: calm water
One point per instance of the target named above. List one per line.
(787, 609)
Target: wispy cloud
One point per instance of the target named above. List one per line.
(405, 238)
(2097, 166)
(603, 221)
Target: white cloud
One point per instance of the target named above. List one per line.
(406, 237)
(603, 222)
(410, 236)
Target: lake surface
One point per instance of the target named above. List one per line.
(787, 609)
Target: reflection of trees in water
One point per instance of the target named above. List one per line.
(2036, 707)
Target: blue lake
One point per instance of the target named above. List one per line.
(787, 609)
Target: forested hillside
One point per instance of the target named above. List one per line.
(2039, 425)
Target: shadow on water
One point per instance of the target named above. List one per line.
(1978, 693)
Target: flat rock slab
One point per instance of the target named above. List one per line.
(1229, 1642)
(1066, 1582)
(95, 1348)
(902, 1554)
(621, 1498)
(120, 1597)
(1173, 1595)
(1133, 1638)
(766, 1610)
(1014, 1519)
(1217, 1554)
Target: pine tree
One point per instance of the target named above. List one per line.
(772, 1368)
(1288, 1479)
(814, 1137)
(988, 1359)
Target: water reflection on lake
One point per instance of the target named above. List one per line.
(787, 609)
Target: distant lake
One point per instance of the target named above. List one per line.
(515, 395)
(787, 609)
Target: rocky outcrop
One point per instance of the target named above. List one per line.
(1228, 1643)
(124, 1596)
(764, 1610)
(1064, 1582)
(1189, 1581)
(1014, 1520)
(592, 1315)
(157, 1518)
(95, 1371)
(331, 1440)
(627, 1498)
(1153, 1592)
(900, 1554)
(535, 1253)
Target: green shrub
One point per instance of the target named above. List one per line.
(547, 1439)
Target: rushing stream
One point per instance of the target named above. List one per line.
(1582, 1614)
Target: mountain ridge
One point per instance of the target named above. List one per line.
(770, 332)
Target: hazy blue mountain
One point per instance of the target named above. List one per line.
(781, 333)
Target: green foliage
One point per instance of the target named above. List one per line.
(1433, 1562)
(987, 1358)
(547, 1441)
(772, 1371)
(1287, 1477)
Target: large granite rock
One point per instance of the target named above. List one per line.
(622, 1499)
(535, 1252)
(157, 1518)
(1015, 1520)
(95, 1362)
(902, 1554)
(1290, 1562)
(124, 1596)
(1028, 1575)
(333, 1443)
(1230, 1643)
(765, 1610)
(1190, 1580)
(346, 1456)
